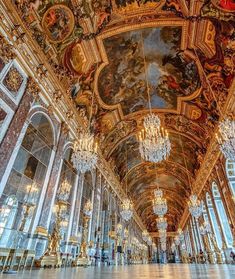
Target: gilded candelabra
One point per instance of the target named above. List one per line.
(83, 259)
(52, 256)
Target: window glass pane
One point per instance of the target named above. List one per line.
(44, 129)
(224, 222)
(31, 167)
(215, 227)
(21, 160)
(40, 173)
(13, 183)
(29, 138)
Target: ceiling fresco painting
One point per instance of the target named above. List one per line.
(97, 47)
(170, 73)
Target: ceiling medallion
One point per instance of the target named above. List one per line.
(159, 203)
(84, 157)
(154, 141)
(195, 206)
(126, 209)
(226, 138)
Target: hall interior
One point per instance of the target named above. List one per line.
(117, 138)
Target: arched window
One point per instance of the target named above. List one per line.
(65, 191)
(222, 215)
(28, 174)
(105, 219)
(213, 220)
(86, 195)
(230, 168)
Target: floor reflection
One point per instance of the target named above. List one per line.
(169, 271)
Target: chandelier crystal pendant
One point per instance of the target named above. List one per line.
(161, 223)
(126, 210)
(84, 157)
(159, 203)
(226, 138)
(154, 143)
(195, 206)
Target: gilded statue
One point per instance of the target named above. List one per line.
(53, 242)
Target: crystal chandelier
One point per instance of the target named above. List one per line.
(154, 143)
(205, 228)
(180, 234)
(163, 239)
(149, 241)
(119, 229)
(177, 240)
(154, 247)
(84, 157)
(163, 246)
(162, 233)
(87, 210)
(127, 209)
(195, 206)
(161, 223)
(64, 191)
(226, 138)
(145, 235)
(159, 203)
(126, 233)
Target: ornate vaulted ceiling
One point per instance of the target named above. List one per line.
(97, 46)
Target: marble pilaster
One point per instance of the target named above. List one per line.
(10, 139)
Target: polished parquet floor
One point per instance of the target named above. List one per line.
(169, 271)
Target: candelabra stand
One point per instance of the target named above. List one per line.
(216, 249)
(208, 249)
(83, 259)
(52, 255)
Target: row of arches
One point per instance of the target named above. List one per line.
(22, 206)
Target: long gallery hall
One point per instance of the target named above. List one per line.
(117, 139)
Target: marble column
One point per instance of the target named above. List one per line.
(96, 207)
(53, 180)
(94, 177)
(74, 232)
(192, 241)
(13, 133)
